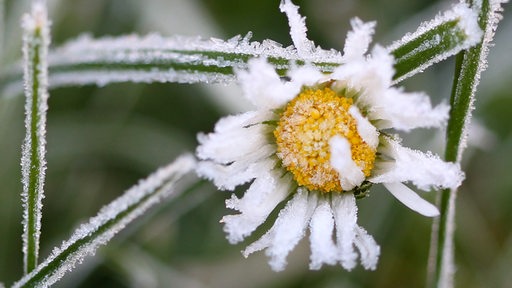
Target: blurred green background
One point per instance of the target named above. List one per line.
(101, 140)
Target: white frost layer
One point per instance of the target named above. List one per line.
(36, 39)
(467, 22)
(163, 183)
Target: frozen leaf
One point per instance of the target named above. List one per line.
(111, 219)
(36, 39)
(446, 35)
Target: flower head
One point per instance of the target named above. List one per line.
(317, 142)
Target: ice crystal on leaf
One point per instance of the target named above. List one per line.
(320, 140)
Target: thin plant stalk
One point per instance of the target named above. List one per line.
(468, 68)
(33, 163)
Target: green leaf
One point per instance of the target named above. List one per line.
(434, 41)
(165, 183)
(191, 59)
(468, 68)
(33, 162)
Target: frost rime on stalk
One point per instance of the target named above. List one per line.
(36, 39)
(469, 66)
(111, 219)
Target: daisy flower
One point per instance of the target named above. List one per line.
(315, 143)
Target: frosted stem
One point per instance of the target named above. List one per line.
(153, 58)
(166, 182)
(469, 65)
(36, 40)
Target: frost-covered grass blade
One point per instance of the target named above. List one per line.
(154, 58)
(164, 183)
(446, 35)
(36, 40)
(468, 68)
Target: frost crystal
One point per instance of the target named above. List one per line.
(165, 182)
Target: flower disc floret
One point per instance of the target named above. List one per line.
(303, 132)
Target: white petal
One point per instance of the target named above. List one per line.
(368, 248)
(297, 28)
(406, 111)
(239, 121)
(410, 199)
(263, 87)
(257, 203)
(323, 248)
(370, 76)
(425, 170)
(350, 174)
(287, 231)
(358, 39)
(345, 217)
(306, 75)
(234, 145)
(227, 177)
(365, 129)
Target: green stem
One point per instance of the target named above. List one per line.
(35, 47)
(35, 167)
(468, 67)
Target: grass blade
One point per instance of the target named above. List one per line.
(166, 182)
(154, 58)
(468, 68)
(35, 49)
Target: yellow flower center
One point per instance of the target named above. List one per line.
(303, 132)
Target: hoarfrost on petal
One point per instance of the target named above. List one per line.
(406, 111)
(345, 218)
(227, 177)
(298, 29)
(368, 248)
(323, 247)
(365, 129)
(410, 199)
(263, 87)
(228, 146)
(349, 173)
(264, 194)
(425, 170)
(287, 231)
(358, 40)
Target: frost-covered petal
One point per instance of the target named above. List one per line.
(406, 111)
(257, 203)
(365, 129)
(345, 218)
(306, 75)
(287, 231)
(350, 174)
(234, 145)
(322, 230)
(425, 170)
(368, 248)
(371, 76)
(227, 177)
(263, 87)
(410, 199)
(298, 28)
(358, 39)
